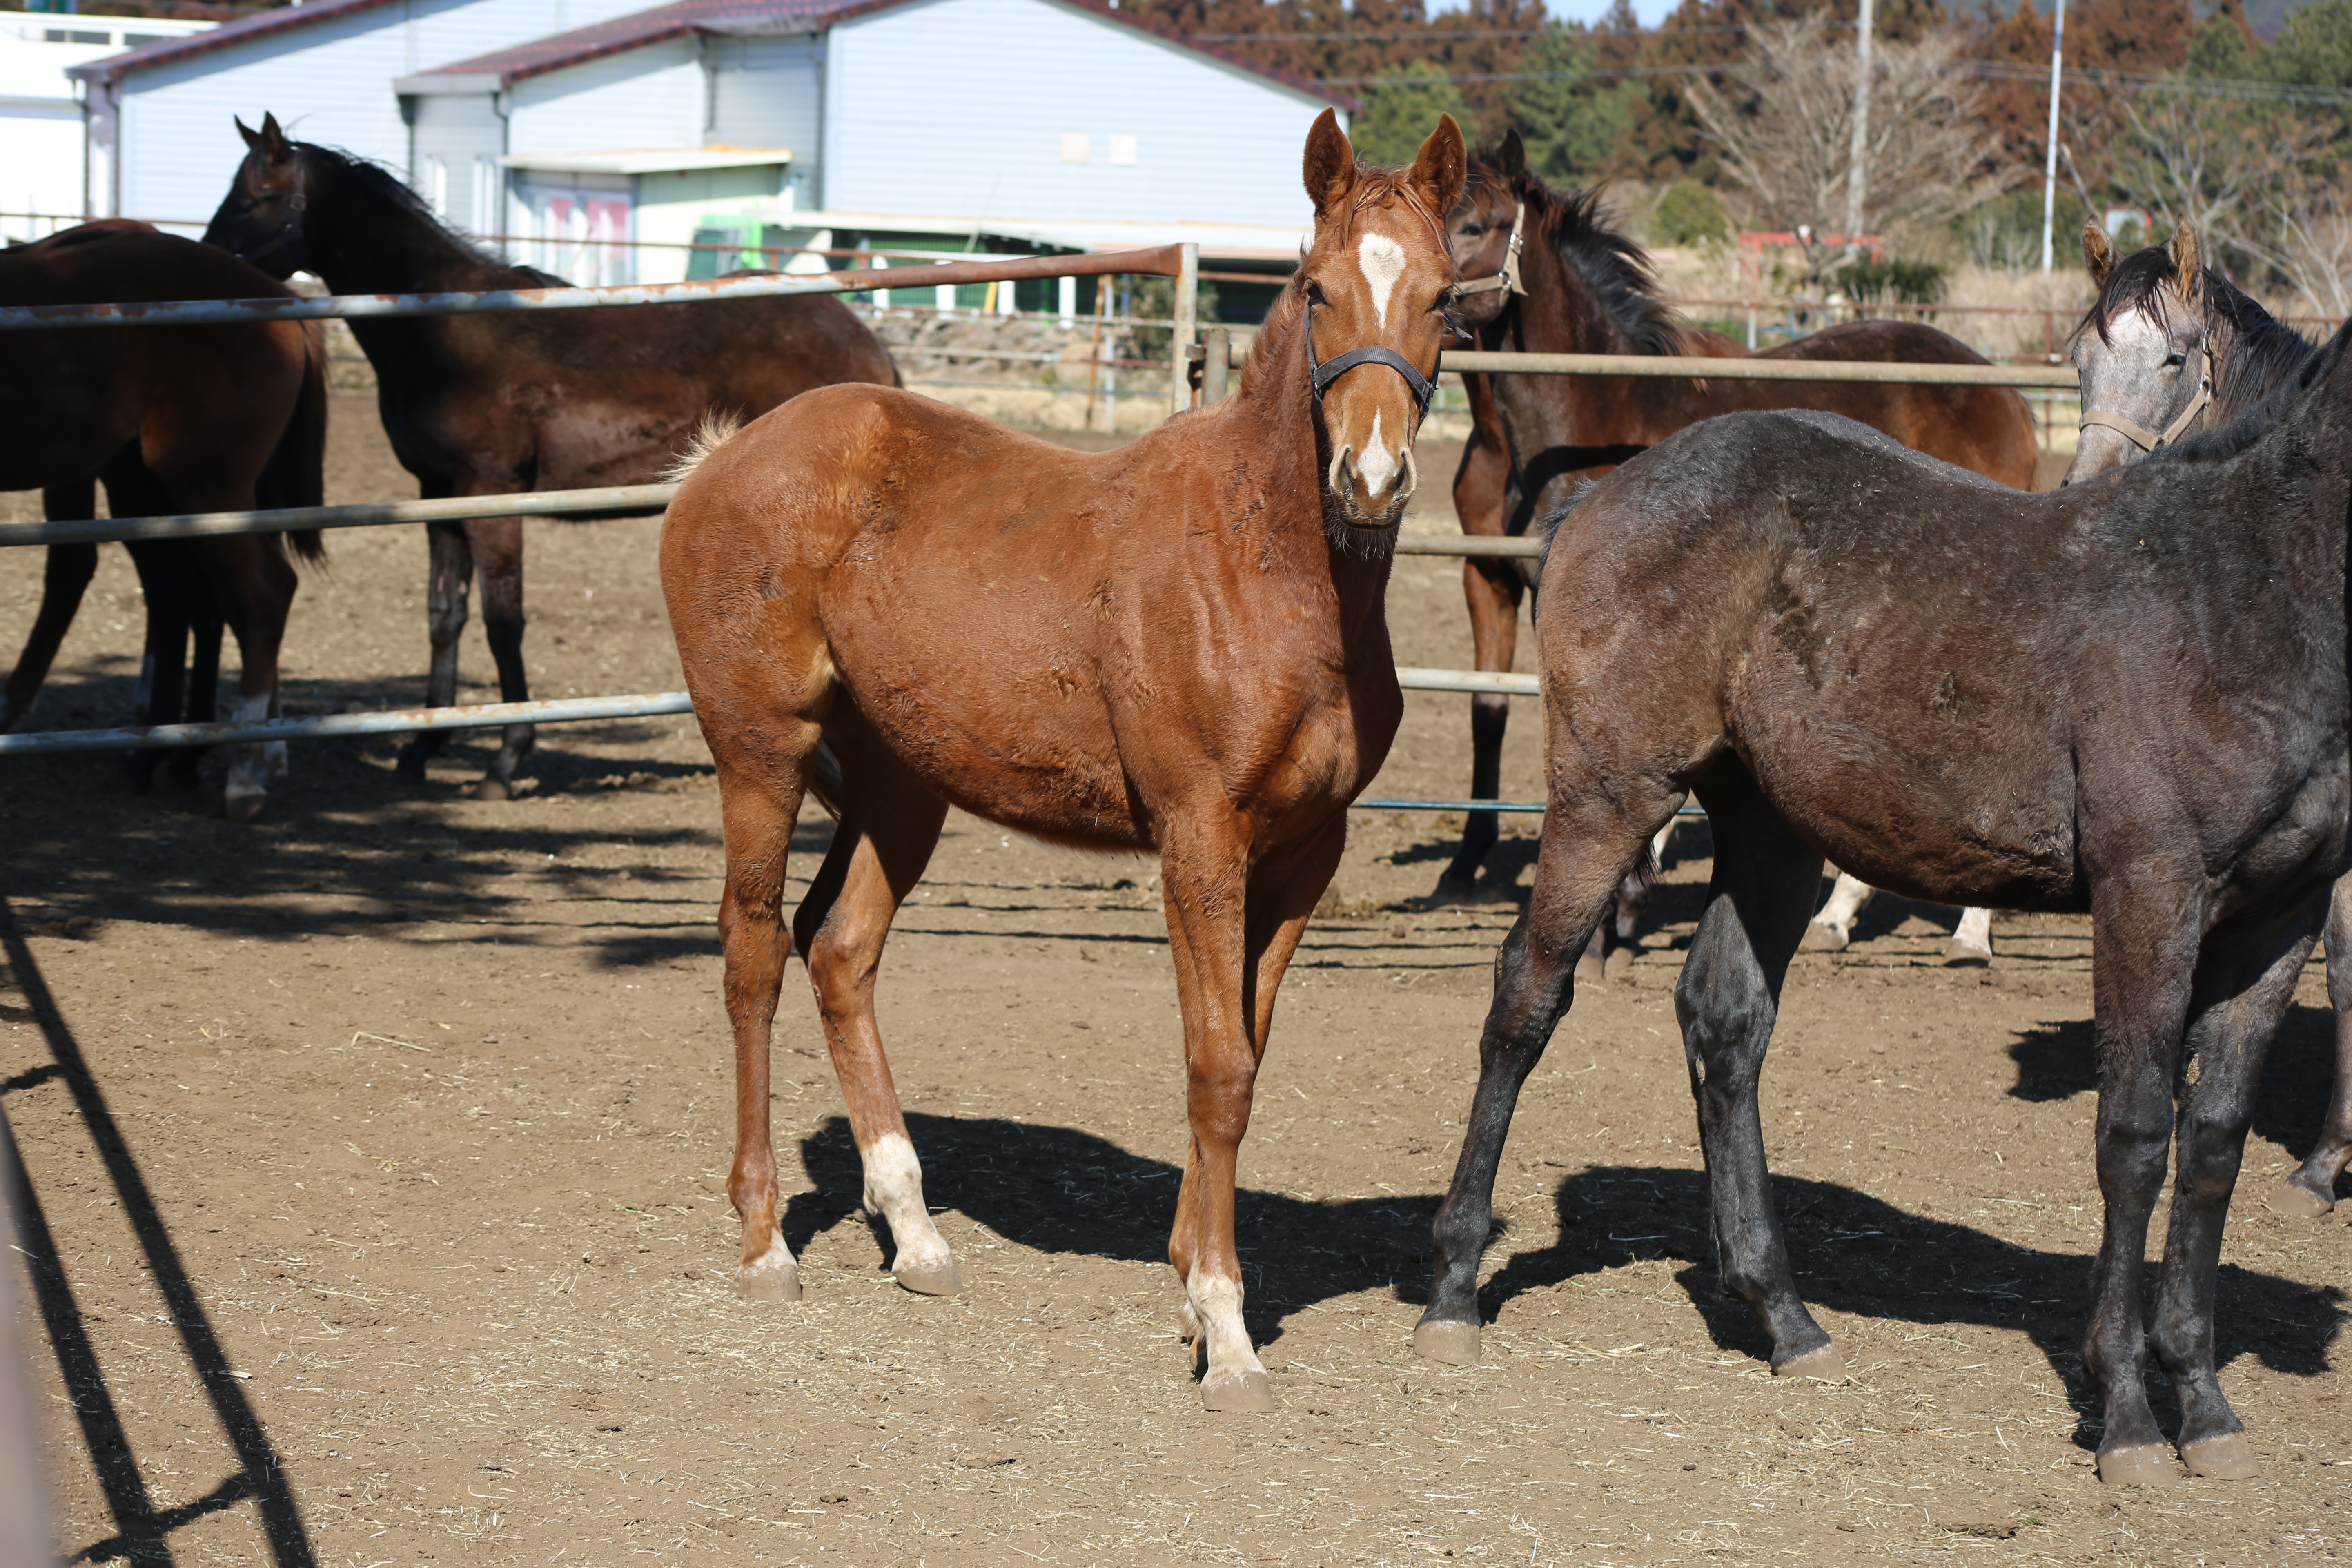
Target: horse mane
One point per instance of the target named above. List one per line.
(1613, 268)
(387, 185)
(2217, 445)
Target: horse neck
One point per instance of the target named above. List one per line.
(361, 241)
(1562, 314)
(1277, 410)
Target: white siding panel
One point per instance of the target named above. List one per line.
(649, 98)
(329, 82)
(961, 106)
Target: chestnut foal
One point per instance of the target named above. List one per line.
(1178, 647)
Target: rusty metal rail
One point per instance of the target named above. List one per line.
(1692, 367)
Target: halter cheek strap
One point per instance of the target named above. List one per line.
(2148, 440)
(1325, 372)
(1508, 278)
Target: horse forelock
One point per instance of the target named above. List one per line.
(1616, 270)
(2146, 281)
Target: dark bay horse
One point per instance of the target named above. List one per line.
(1177, 647)
(490, 403)
(2127, 696)
(2172, 347)
(1570, 284)
(170, 419)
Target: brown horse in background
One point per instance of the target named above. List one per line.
(1569, 284)
(173, 419)
(1178, 647)
(491, 404)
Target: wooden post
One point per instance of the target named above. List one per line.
(1188, 290)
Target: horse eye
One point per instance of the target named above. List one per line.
(1315, 293)
(1471, 230)
(2173, 360)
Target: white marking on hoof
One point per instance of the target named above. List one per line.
(894, 1190)
(1217, 1306)
(1974, 935)
(774, 1276)
(1383, 260)
(255, 764)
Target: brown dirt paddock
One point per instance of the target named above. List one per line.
(250, 1069)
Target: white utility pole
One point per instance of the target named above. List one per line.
(1858, 159)
(2050, 174)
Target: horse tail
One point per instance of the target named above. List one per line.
(825, 779)
(714, 431)
(297, 473)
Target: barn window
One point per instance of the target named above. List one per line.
(1122, 149)
(1075, 147)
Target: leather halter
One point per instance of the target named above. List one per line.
(1324, 372)
(2148, 440)
(1508, 278)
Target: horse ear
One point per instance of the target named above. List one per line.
(2098, 256)
(252, 137)
(1511, 155)
(1331, 162)
(1442, 167)
(273, 139)
(2188, 266)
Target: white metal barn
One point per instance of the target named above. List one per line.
(43, 181)
(158, 118)
(1006, 116)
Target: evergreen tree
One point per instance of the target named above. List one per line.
(1401, 109)
(1572, 125)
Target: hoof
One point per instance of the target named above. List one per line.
(1447, 1339)
(2228, 1458)
(243, 805)
(768, 1282)
(1820, 938)
(940, 1280)
(1248, 1392)
(1828, 1361)
(1960, 954)
(493, 788)
(1454, 890)
(2148, 1465)
(2291, 1197)
(1620, 964)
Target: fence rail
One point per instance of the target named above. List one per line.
(1698, 369)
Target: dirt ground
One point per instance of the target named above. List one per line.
(273, 1315)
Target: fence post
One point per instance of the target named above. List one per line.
(1180, 342)
(1216, 362)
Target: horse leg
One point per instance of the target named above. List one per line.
(1493, 590)
(1832, 929)
(1632, 900)
(759, 804)
(2143, 955)
(497, 553)
(64, 578)
(1283, 892)
(1728, 1002)
(203, 674)
(889, 826)
(254, 584)
(1971, 945)
(1586, 844)
(450, 575)
(2245, 983)
(2310, 1191)
(164, 568)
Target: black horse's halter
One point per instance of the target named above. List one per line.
(1508, 278)
(289, 233)
(2139, 434)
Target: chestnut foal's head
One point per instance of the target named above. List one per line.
(1377, 281)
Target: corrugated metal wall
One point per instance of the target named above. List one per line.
(1029, 108)
(329, 82)
(647, 97)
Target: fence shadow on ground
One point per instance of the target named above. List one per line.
(142, 1530)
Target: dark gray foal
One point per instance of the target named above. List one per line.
(2128, 697)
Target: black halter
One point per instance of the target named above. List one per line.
(1325, 372)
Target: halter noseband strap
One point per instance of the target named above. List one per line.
(1324, 372)
(1508, 278)
(2139, 434)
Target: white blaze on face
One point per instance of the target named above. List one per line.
(1378, 465)
(1383, 260)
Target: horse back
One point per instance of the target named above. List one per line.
(1987, 429)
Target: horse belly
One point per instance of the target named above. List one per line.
(1944, 799)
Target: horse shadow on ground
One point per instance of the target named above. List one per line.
(1055, 1189)
(1859, 1255)
(2058, 1061)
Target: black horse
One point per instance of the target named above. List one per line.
(2130, 697)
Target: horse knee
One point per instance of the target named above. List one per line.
(1218, 1096)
